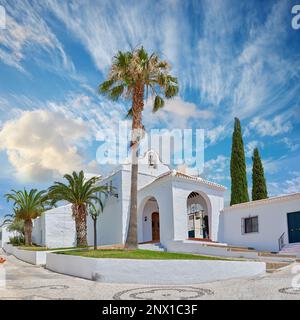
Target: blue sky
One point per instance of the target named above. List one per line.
(232, 59)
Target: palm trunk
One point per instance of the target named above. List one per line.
(28, 232)
(80, 213)
(137, 108)
(95, 234)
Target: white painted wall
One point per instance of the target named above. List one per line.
(55, 228)
(60, 228)
(162, 192)
(194, 247)
(138, 271)
(37, 230)
(33, 257)
(143, 180)
(272, 219)
(214, 200)
(171, 194)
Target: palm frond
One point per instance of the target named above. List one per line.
(158, 103)
(116, 92)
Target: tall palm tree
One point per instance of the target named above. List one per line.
(133, 75)
(81, 193)
(28, 206)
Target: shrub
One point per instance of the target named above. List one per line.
(17, 240)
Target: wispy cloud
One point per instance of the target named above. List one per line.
(217, 169)
(26, 35)
(280, 124)
(250, 146)
(292, 146)
(290, 185)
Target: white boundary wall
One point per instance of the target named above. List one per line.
(32, 257)
(219, 251)
(152, 271)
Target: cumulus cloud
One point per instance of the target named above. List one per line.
(42, 145)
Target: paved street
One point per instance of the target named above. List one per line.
(24, 281)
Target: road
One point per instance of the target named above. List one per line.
(28, 282)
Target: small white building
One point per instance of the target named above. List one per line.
(174, 209)
(268, 225)
(171, 206)
(55, 228)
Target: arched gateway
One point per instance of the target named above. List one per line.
(198, 216)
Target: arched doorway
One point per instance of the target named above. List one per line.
(197, 217)
(151, 225)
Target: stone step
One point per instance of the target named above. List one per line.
(275, 266)
(151, 246)
(291, 248)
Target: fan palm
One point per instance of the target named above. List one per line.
(81, 193)
(133, 75)
(28, 206)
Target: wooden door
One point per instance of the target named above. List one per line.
(155, 226)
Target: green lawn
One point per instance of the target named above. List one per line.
(138, 254)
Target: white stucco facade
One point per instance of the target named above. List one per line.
(175, 209)
(160, 190)
(55, 228)
(272, 217)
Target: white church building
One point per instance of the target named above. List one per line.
(175, 210)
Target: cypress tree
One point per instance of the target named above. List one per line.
(239, 185)
(259, 187)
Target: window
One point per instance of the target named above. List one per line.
(250, 225)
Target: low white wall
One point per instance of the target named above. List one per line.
(8, 248)
(32, 257)
(152, 271)
(196, 248)
(272, 222)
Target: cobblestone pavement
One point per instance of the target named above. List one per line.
(25, 281)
